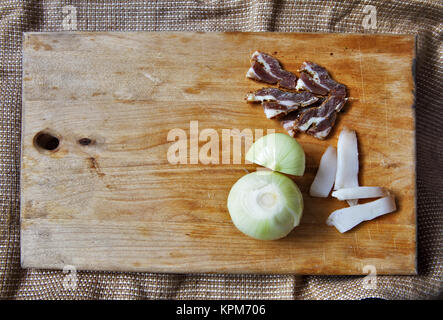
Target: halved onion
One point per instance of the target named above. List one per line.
(359, 193)
(325, 177)
(265, 205)
(347, 218)
(278, 152)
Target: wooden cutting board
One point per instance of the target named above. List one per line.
(107, 198)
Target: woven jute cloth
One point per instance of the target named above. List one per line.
(421, 18)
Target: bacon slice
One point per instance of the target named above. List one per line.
(318, 121)
(267, 69)
(313, 116)
(274, 110)
(313, 109)
(284, 98)
(316, 79)
(305, 82)
(322, 129)
(277, 103)
(288, 122)
(258, 72)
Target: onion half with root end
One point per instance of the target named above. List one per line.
(278, 152)
(265, 205)
(347, 218)
(325, 177)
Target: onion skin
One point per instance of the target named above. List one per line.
(325, 177)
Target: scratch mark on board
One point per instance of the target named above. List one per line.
(388, 176)
(361, 75)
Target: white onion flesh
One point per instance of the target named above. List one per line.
(278, 152)
(359, 193)
(347, 162)
(347, 218)
(325, 177)
(265, 205)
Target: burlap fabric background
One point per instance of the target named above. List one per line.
(423, 18)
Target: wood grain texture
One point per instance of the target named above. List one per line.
(118, 204)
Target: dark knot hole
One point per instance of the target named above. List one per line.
(85, 141)
(46, 141)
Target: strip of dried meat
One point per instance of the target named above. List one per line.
(284, 98)
(274, 110)
(318, 121)
(316, 79)
(277, 103)
(322, 129)
(267, 69)
(305, 82)
(313, 109)
(288, 122)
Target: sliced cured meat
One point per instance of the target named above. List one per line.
(318, 121)
(277, 103)
(258, 72)
(288, 122)
(284, 98)
(313, 116)
(322, 129)
(305, 82)
(267, 69)
(312, 109)
(274, 110)
(316, 79)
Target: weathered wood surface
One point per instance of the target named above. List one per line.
(118, 204)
